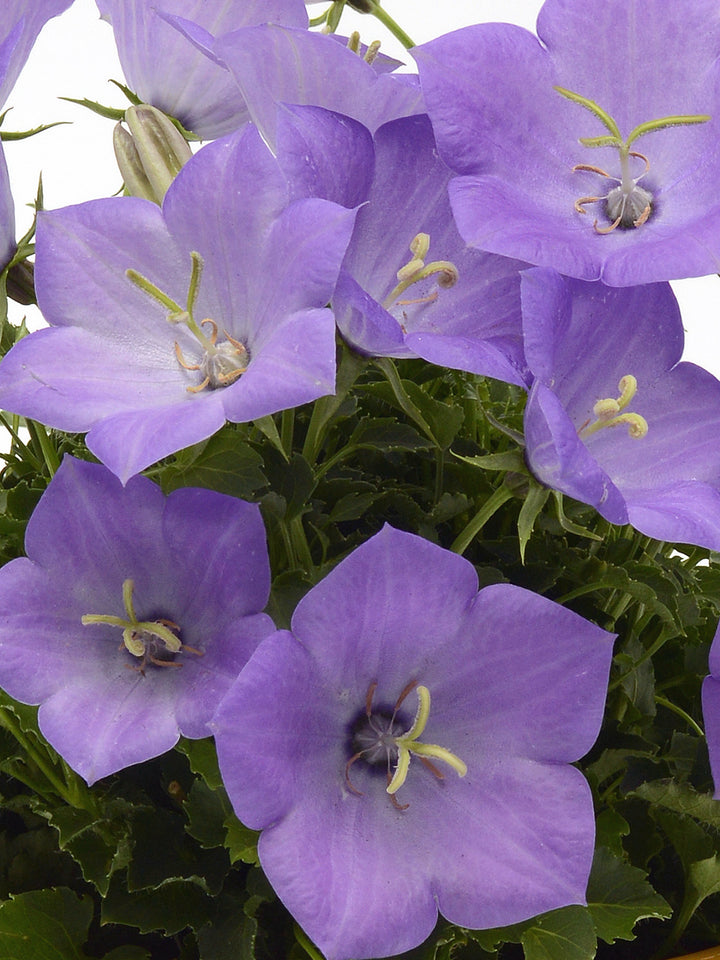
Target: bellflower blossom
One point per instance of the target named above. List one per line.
(409, 286)
(274, 64)
(590, 148)
(181, 81)
(165, 323)
(609, 421)
(131, 615)
(373, 821)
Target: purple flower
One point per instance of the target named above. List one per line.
(131, 615)
(166, 323)
(590, 148)
(372, 820)
(613, 418)
(409, 286)
(163, 68)
(276, 64)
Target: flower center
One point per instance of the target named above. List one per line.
(628, 204)
(609, 412)
(151, 641)
(221, 362)
(441, 274)
(379, 739)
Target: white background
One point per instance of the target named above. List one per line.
(75, 57)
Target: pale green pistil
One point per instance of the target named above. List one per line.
(222, 362)
(381, 740)
(610, 412)
(628, 204)
(151, 641)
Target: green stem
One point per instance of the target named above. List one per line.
(38, 433)
(349, 369)
(287, 429)
(300, 544)
(59, 786)
(395, 29)
(389, 371)
(668, 704)
(29, 456)
(491, 506)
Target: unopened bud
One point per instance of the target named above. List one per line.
(151, 154)
(362, 6)
(20, 282)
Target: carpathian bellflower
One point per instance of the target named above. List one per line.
(163, 68)
(590, 148)
(407, 748)
(131, 615)
(613, 418)
(166, 323)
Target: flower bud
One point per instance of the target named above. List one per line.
(151, 154)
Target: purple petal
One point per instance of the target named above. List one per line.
(184, 82)
(86, 538)
(25, 19)
(560, 460)
(309, 141)
(500, 123)
(275, 64)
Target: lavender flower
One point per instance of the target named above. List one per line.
(593, 150)
(276, 64)
(409, 286)
(613, 423)
(181, 81)
(167, 323)
(131, 615)
(373, 820)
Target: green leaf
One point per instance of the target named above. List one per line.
(44, 925)
(566, 934)
(619, 895)
(224, 463)
(231, 935)
(202, 757)
(241, 841)
(99, 846)
(681, 798)
(170, 907)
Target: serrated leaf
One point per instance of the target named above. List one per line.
(610, 828)
(206, 810)
(681, 798)
(231, 935)
(202, 757)
(240, 841)
(170, 907)
(224, 463)
(619, 895)
(44, 925)
(566, 934)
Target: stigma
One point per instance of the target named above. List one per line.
(628, 204)
(380, 739)
(150, 641)
(611, 412)
(222, 360)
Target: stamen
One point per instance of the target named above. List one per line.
(445, 272)
(628, 204)
(608, 413)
